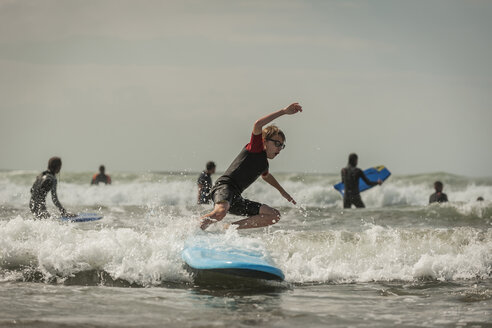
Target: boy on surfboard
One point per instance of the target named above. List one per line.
(252, 161)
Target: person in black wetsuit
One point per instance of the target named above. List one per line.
(251, 162)
(438, 196)
(205, 183)
(350, 178)
(46, 182)
(101, 177)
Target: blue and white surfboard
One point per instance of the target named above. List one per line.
(372, 173)
(207, 254)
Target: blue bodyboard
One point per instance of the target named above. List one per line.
(207, 256)
(83, 217)
(373, 174)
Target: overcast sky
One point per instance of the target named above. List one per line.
(169, 85)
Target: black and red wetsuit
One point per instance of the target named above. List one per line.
(244, 170)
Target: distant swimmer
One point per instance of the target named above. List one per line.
(350, 178)
(252, 161)
(438, 196)
(46, 182)
(205, 183)
(101, 177)
(480, 199)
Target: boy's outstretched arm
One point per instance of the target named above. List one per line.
(274, 183)
(289, 110)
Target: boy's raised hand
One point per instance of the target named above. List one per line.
(292, 109)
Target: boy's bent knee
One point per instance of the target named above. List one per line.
(220, 213)
(220, 210)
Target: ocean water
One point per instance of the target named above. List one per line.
(399, 262)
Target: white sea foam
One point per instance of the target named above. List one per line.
(61, 250)
(152, 255)
(454, 240)
(384, 254)
(309, 190)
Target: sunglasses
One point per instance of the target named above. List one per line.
(277, 143)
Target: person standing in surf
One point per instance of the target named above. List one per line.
(204, 183)
(46, 182)
(350, 178)
(252, 161)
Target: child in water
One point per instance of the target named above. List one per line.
(252, 161)
(46, 182)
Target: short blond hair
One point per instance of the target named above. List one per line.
(271, 131)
